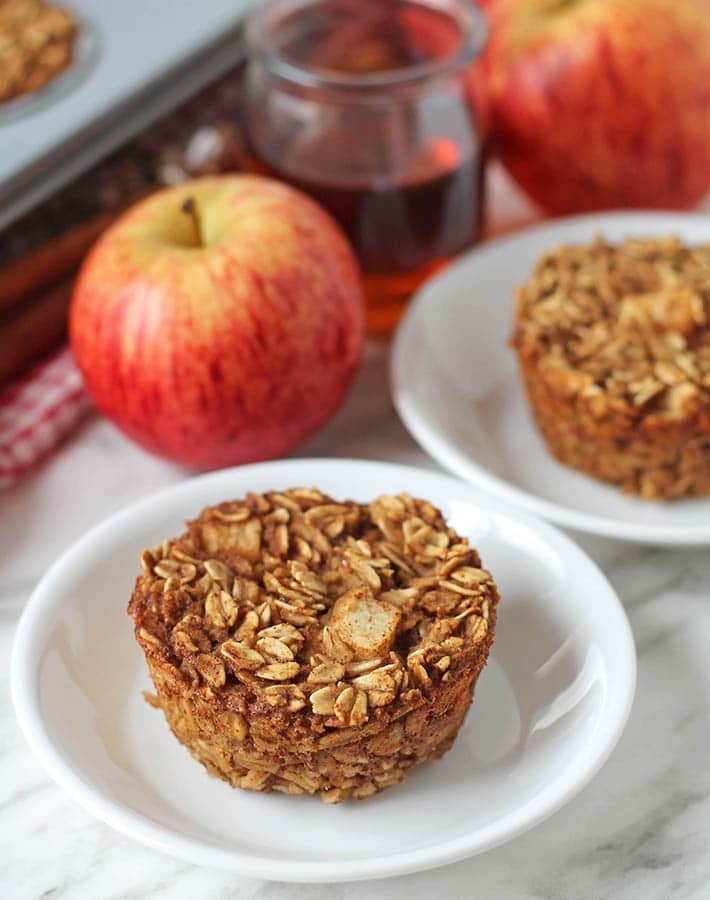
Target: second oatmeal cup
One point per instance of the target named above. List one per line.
(614, 349)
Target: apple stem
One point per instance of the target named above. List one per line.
(558, 6)
(189, 207)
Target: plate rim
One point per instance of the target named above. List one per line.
(25, 688)
(454, 459)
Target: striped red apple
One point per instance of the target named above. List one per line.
(602, 103)
(219, 322)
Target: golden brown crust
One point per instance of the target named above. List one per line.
(303, 645)
(614, 349)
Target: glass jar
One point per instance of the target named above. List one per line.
(368, 106)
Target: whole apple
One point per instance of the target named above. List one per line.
(219, 322)
(602, 103)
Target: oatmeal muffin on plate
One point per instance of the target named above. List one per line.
(304, 645)
(614, 348)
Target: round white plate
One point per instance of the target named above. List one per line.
(456, 385)
(549, 707)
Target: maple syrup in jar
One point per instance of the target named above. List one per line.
(368, 106)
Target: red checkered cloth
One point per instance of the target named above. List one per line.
(37, 411)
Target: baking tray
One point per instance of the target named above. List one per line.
(134, 61)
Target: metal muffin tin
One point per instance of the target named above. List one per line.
(134, 61)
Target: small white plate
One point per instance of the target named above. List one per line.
(457, 389)
(549, 707)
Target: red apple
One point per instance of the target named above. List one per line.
(220, 321)
(602, 103)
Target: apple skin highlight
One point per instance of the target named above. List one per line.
(224, 342)
(600, 104)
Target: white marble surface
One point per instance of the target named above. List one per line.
(640, 830)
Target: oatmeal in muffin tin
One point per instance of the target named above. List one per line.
(36, 44)
(303, 645)
(614, 348)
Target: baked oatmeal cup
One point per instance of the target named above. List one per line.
(302, 645)
(613, 344)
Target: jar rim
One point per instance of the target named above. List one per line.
(265, 18)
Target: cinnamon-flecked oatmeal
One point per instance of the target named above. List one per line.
(614, 348)
(304, 645)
